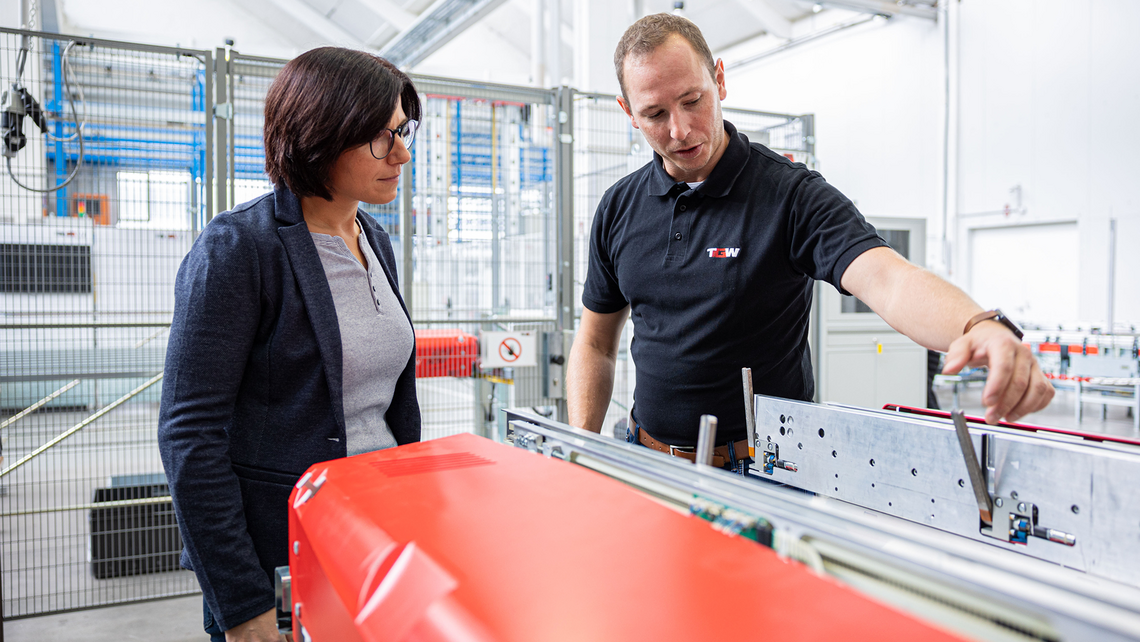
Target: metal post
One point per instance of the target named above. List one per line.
(1111, 274)
(406, 235)
(221, 126)
(564, 214)
(231, 185)
(496, 218)
(706, 440)
(208, 109)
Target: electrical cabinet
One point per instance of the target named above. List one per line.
(861, 360)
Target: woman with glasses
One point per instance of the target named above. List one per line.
(290, 343)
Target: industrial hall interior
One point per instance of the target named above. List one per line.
(569, 320)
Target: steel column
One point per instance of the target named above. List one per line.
(564, 214)
(221, 129)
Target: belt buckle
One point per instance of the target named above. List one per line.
(688, 450)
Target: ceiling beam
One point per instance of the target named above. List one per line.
(309, 18)
(435, 27)
(770, 20)
(391, 13)
(882, 7)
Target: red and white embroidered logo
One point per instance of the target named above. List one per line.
(723, 252)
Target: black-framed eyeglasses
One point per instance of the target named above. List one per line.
(382, 146)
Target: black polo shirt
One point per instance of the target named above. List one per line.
(719, 278)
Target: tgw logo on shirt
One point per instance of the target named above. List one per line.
(723, 252)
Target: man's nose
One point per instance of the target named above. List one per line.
(678, 127)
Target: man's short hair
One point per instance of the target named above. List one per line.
(324, 102)
(649, 33)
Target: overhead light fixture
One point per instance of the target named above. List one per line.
(816, 8)
(678, 8)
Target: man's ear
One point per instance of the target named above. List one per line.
(722, 90)
(625, 108)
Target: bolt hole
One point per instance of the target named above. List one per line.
(769, 437)
(821, 432)
(800, 446)
(1076, 509)
(781, 430)
(781, 418)
(914, 472)
(872, 485)
(837, 475)
(889, 504)
(932, 501)
(961, 483)
(837, 489)
(1013, 494)
(872, 462)
(834, 454)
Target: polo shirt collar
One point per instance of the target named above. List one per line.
(723, 176)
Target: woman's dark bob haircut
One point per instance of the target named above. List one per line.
(324, 102)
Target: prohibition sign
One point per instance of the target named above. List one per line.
(510, 349)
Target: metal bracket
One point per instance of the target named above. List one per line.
(309, 486)
(772, 460)
(1015, 521)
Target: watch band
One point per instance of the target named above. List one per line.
(993, 315)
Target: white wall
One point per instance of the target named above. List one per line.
(1049, 98)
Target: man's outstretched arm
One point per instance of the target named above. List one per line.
(590, 371)
(933, 313)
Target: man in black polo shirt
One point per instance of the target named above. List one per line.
(714, 246)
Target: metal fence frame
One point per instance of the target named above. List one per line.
(230, 85)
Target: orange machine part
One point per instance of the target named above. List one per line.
(464, 539)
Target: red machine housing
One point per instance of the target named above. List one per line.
(464, 539)
(445, 353)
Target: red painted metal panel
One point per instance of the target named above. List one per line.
(464, 539)
(445, 353)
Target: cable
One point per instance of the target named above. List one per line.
(67, 73)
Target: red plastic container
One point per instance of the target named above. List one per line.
(445, 353)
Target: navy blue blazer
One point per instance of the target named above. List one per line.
(252, 394)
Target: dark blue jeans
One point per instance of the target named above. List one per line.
(210, 625)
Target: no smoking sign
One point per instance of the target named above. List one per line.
(509, 349)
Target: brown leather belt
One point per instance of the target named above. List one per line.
(720, 453)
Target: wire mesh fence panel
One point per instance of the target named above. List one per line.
(484, 242)
(607, 148)
(96, 212)
(480, 219)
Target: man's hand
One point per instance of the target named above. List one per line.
(1015, 386)
(262, 628)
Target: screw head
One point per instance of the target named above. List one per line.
(1013, 494)
(1021, 507)
(998, 502)
(297, 548)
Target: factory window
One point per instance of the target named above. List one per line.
(45, 268)
(154, 200)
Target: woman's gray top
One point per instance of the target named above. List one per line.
(375, 336)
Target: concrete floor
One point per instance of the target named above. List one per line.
(173, 620)
(180, 619)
